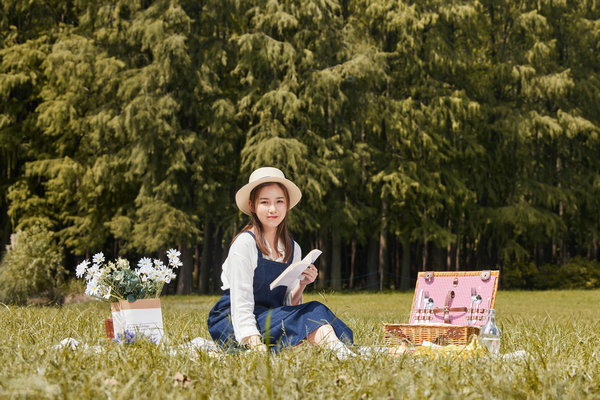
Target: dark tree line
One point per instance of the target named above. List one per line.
(425, 135)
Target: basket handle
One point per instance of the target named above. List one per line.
(447, 309)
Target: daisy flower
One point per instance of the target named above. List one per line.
(81, 268)
(98, 258)
(92, 288)
(92, 272)
(172, 253)
(145, 263)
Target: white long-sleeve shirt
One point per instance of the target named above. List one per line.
(238, 277)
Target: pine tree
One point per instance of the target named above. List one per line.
(27, 31)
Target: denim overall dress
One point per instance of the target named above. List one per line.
(287, 325)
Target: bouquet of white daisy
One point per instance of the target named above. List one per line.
(133, 293)
(114, 281)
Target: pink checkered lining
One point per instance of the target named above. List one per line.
(438, 288)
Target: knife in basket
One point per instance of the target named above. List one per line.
(417, 311)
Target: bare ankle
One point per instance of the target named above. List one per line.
(322, 335)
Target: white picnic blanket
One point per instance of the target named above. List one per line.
(213, 350)
(193, 345)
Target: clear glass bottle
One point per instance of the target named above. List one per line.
(489, 335)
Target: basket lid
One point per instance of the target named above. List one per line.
(457, 298)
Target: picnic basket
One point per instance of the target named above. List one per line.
(447, 308)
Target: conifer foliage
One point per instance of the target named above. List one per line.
(425, 135)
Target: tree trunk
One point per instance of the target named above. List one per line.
(457, 255)
(542, 253)
(405, 282)
(336, 260)
(563, 247)
(479, 252)
(196, 268)
(449, 249)
(437, 258)
(323, 262)
(184, 283)
(217, 261)
(352, 260)
(5, 239)
(383, 264)
(396, 264)
(425, 255)
(205, 264)
(372, 263)
(588, 254)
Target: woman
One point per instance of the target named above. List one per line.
(249, 313)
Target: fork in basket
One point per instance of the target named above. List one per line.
(473, 299)
(427, 307)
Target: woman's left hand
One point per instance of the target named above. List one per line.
(309, 275)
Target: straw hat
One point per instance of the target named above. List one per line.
(264, 175)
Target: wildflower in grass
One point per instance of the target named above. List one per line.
(128, 337)
(81, 268)
(131, 337)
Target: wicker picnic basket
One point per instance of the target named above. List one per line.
(456, 318)
(416, 334)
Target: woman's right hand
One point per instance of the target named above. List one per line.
(261, 347)
(254, 342)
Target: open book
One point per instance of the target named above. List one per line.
(293, 272)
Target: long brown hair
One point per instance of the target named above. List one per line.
(282, 231)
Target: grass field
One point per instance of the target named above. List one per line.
(559, 330)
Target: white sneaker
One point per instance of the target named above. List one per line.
(341, 351)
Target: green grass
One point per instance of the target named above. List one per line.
(560, 330)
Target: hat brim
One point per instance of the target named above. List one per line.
(242, 197)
